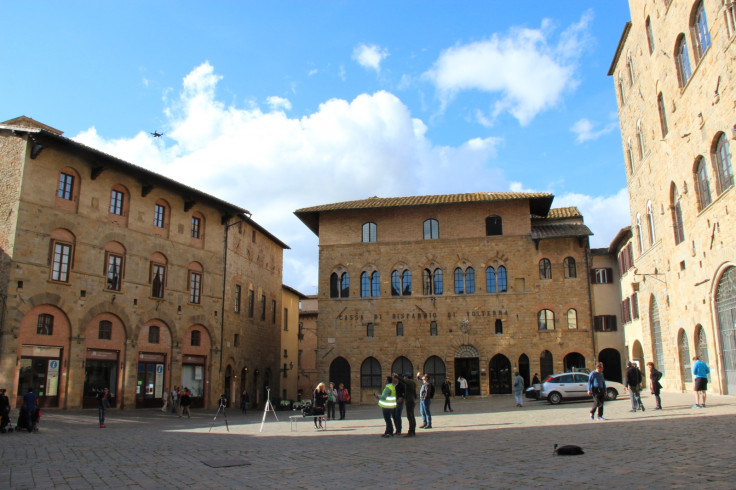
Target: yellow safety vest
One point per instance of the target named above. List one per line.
(388, 400)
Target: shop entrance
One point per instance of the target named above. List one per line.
(150, 384)
(467, 365)
(39, 369)
(100, 371)
(192, 377)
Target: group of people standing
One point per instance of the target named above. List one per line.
(324, 401)
(181, 400)
(400, 391)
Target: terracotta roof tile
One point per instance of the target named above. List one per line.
(563, 230)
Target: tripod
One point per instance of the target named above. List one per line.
(221, 408)
(268, 408)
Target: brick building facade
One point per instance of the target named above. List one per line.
(478, 285)
(112, 275)
(675, 80)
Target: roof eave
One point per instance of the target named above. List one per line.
(619, 48)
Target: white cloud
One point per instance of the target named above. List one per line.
(278, 103)
(370, 56)
(585, 130)
(604, 215)
(525, 73)
(272, 164)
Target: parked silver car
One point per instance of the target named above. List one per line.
(574, 386)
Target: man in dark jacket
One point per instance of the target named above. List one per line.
(4, 410)
(400, 397)
(654, 385)
(410, 398)
(30, 405)
(103, 403)
(447, 391)
(632, 382)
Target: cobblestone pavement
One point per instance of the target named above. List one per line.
(484, 443)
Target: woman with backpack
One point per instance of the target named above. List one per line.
(343, 398)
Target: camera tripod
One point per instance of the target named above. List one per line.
(221, 408)
(268, 408)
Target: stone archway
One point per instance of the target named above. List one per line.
(467, 365)
(500, 375)
(611, 359)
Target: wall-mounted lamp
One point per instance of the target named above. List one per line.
(36, 148)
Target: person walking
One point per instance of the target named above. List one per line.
(103, 403)
(165, 398)
(174, 398)
(537, 386)
(654, 384)
(597, 388)
(343, 397)
(425, 401)
(4, 411)
(400, 388)
(30, 405)
(410, 399)
(331, 400)
(319, 398)
(700, 373)
(519, 389)
(632, 382)
(387, 402)
(447, 391)
(463, 386)
(185, 401)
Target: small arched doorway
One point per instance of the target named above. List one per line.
(611, 359)
(546, 365)
(500, 368)
(340, 372)
(574, 361)
(726, 311)
(683, 348)
(467, 365)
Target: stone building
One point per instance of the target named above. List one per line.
(308, 375)
(607, 321)
(675, 76)
(478, 285)
(112, 275)
(290, 342)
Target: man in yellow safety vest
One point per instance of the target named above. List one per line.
(387, 402)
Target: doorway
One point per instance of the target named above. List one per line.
(500, 375)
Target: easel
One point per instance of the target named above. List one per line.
(223, 401)
(268, 408)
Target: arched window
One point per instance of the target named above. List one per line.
(114, 262)
(499, 326)
(399, 329)
(701, 343)
(683, 348)
(402, 365)
(369, 232)
(470, 280)
(570, 268)
(375, 284)
(494, 226)
(722, 163)
(676, 215)
(640, 139)
(630, 154)
(639, 233)
(662, 115)
(699, 31)
(401, 283)
(729, 15)
(459, 281)
(435, 369)
(197, 229)
(501, 277)
(345, 285)
(334, 286)
(701, 183)
(370, 373)
(490, 280)
(395, 283)
(62, 254)
(438, 282)
(161, 216)
(650, 35)
(406, 282)
(546, 320)
(431, 229)
(650, 223)
(630, 68)
(157, 274)
(572, 319)
(545, 269)
(682, 61)
(621, 95)
(365, 285)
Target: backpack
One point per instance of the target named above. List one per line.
(346, 396)
(431, 391)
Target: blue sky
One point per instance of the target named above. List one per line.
(275, 106)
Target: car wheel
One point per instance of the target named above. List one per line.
(554, 398)
(611, 394)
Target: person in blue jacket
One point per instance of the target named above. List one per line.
(700, 373)
(597, 388)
